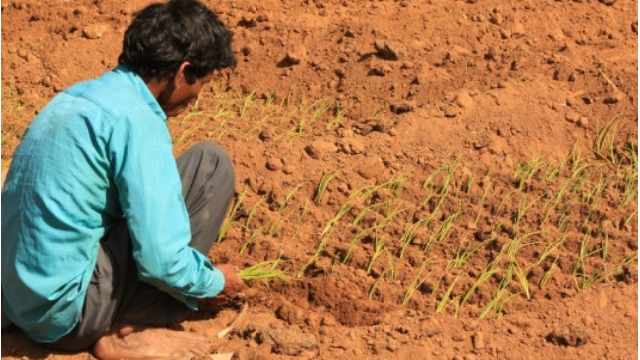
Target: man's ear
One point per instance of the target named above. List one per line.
(181, 77)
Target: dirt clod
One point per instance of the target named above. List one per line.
(569, 335)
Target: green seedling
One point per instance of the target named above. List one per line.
(376, 283)
(249, 100)
(417, 281)
(265, 271)
(408, 235)
(444, 302)
(527, 171)
(483, 278)
(324, 182)
(289, 196)
(352, 245)
(233, 216)
(605, 140)
(279, 222)
(256, 232)
(378, 249)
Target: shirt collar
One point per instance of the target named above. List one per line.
(142, 88)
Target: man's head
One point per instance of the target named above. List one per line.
(180, 42)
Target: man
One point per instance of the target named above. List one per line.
(104, 233)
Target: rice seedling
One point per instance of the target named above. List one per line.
(481, 203)
(583, 254)
(376, 283)
(289, 196)
(527, 171)
(250, 239)
(605, 140)
(324, 182)
(308, 114)
(364, 212)
(483, 278)
(248, 101)
(409, 233)
(521, 210)
(303, 210)
(459, 259)
(417, 281)
(233, 216)
(397, 184)
(253, 211)
(629, 218)
(496, 211)
(378, 249)
(467, 185)
(352, 245)
(447, 225)
(547, 275)
(553, 247)
(328, 229)
(497, 303)
(522, 279)
(265, 272)
(443, 189)
(338, 115)
(444, 302)
(279, 222)
(390, 215)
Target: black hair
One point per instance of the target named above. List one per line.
(164, 35)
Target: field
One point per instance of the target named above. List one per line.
(427, 179)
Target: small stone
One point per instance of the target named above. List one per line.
(328, 320)
(390, 50)
(517, 30)
(266, 134)
(450, 112)
(569, 335)
(603, 300)
(351, 146)
(583, 122)
(572, 116)
(288, 169)
(318, 149)
(95, 31)
(497, 19)
(401, 108)
(371, 169)
(287, 341)
(23, 53)
(478, 340)
(290, 313)
(379, 69)
(295, 56)
(614, 98)
(464, 100)
(274, 164)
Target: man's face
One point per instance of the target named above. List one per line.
(179, 94)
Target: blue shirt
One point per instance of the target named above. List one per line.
(97, 152)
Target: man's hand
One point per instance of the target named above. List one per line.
(232, 283)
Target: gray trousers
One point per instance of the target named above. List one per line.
(115, 293)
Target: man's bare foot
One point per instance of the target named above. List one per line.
(128, 342)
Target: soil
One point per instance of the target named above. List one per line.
(415, 91)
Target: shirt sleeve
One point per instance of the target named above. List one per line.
(150, 193)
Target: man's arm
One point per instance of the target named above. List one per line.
(149, 188)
